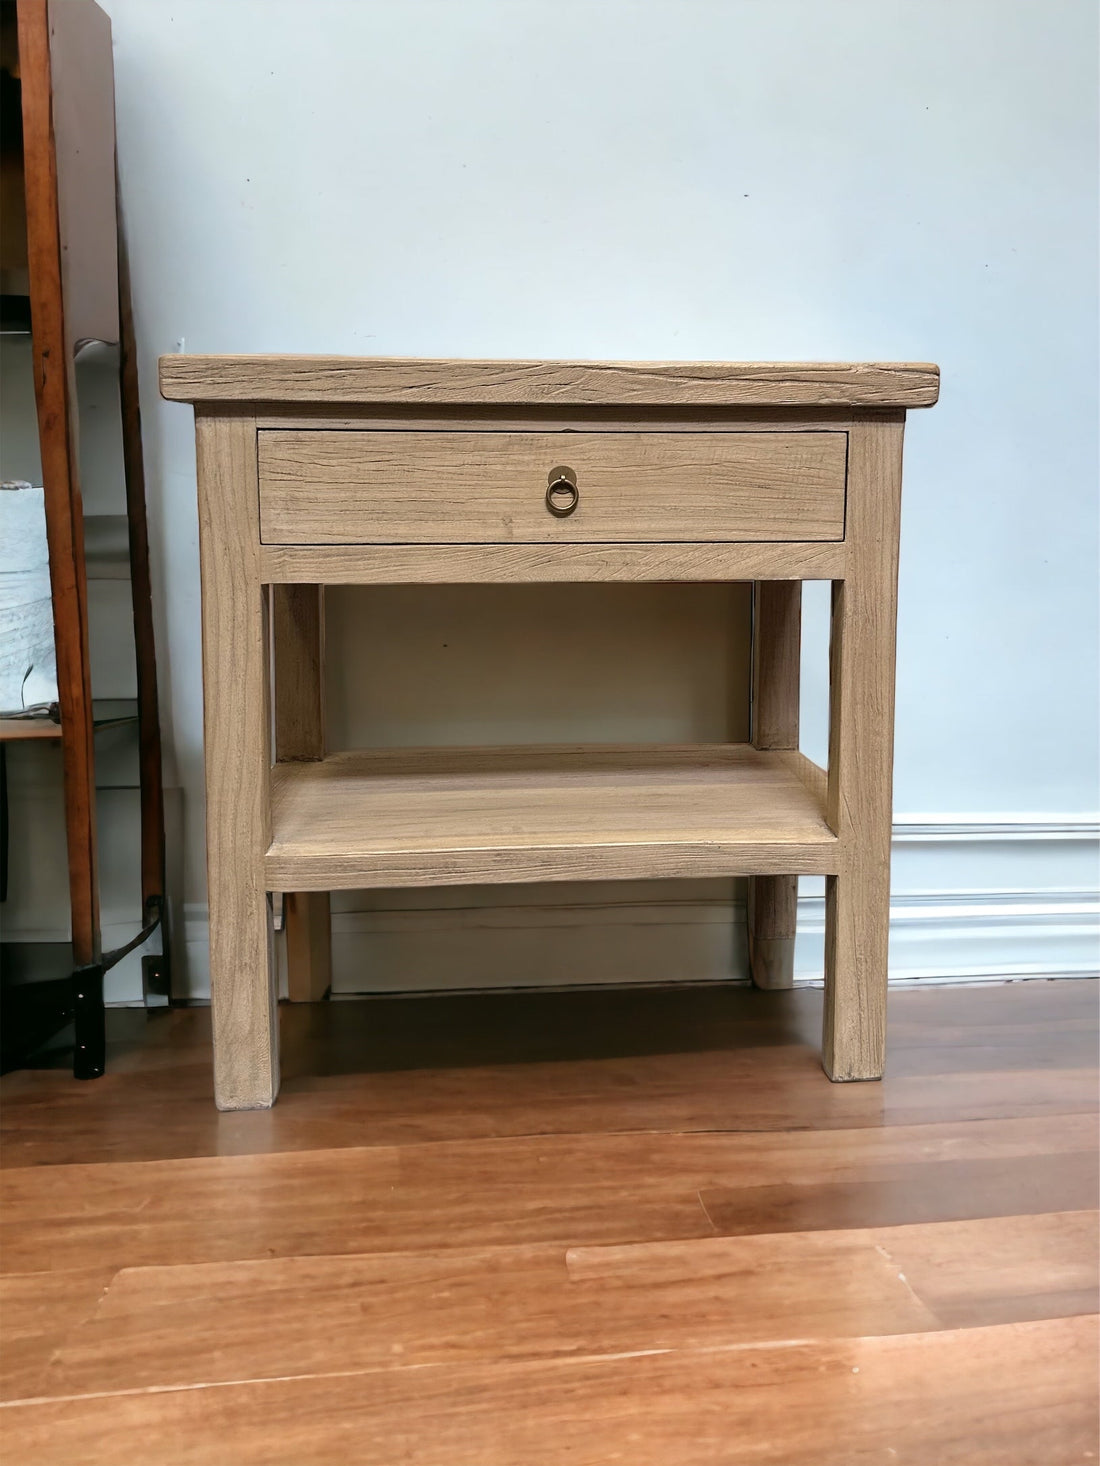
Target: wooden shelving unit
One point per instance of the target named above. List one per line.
(69, 258)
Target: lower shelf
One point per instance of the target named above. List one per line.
(457, 816)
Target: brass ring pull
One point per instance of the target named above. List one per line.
(562, 494)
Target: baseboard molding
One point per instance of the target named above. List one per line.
(974, 936)
(948, 830)
(983, 898)
(934, 938)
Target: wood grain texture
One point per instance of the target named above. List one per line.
(776, 649)
(55, 401)
(237, 752)
(861, 749)
(577, 1189)
(308, 925)
(298, 633)
(889, 1194)
(1023, 1393)
(772, 915)
(541, 1064)
(337, 488)
(972, 1274)
(812, 776)
(717, 1251)
(456, 564)
(329, 379)
(498, 1305)
(339, 825)
(298, 630)
(543, 418)
(37, 1310)
(248, 1320)
(446, 816)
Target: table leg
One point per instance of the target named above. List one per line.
(776, 648)
(861, 730)
(298, 627)
(238, 766)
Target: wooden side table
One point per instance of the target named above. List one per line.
(315, 471)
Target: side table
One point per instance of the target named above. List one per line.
(315, 471)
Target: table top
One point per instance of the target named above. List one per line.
(367, 380)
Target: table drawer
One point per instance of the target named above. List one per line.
(321, 487)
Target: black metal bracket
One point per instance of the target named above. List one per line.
(156, 967)
(89, 1022)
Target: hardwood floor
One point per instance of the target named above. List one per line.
(590, 1227)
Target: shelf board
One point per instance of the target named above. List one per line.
(107, 712)
(455, 816)
(21, 730)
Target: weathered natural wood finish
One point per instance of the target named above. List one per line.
(776, 648)
(334, 379)
(237, 749)
(384, 471)
(298, 632)
(340, 488)
(414, 817)
(772, 914)
(456, 564)
(812, 775)
(298, 629)
(308, 926)
(861, 743)
(518, 417)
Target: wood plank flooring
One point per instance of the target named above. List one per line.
(589, 1227)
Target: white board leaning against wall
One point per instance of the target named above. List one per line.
(28, 668)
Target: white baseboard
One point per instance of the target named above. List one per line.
(977, 899)
(940, 829)
(974, 936)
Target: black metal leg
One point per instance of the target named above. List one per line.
(89, 1019)
(156, 967)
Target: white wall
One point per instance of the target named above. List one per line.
(861, 179)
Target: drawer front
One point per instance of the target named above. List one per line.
(320, 487)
